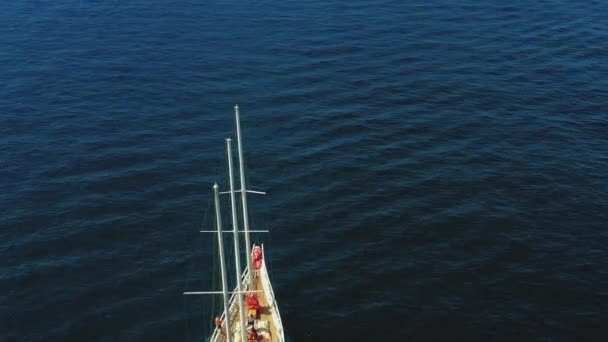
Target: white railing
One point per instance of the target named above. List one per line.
(269, 293)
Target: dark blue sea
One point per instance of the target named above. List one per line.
(436, 170)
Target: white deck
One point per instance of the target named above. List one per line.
(269, 309)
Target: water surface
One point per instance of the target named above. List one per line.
(435, 169)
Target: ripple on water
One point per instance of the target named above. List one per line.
(428, 164)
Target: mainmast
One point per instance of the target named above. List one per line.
(220, 242)
(239, 143)
(235, 227)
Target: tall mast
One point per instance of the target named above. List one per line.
(235, 227)
(220, 242)
(239, 143)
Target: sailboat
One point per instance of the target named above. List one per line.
(251, 312)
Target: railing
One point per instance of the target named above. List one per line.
(269, 292)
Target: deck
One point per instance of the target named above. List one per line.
(269, 324)
(269, 332)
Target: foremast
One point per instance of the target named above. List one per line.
(220, 243)
(239, 144)
(237, 257)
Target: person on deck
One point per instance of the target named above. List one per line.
(253, 305)
(252, 336)
(218, 324)
(256, 260)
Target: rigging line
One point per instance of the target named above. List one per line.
(190, 278)
(210, 279)
(214, 276)
(213, 310)
(187, 323)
